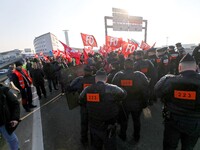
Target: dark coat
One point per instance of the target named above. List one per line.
(9, 106)
(49, 71)
(37, 76)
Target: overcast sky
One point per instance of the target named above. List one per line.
(169, 21)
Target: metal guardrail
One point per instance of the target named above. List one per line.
(3, 78)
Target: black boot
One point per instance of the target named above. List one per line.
(26, 107)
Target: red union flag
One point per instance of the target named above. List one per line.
(128, 48)
(144, 46)
(113, 42)
(67, 49)
(88, 40)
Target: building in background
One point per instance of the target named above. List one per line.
(46, 43)
(28, 52)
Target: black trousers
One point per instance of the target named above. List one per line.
(182, 129)
(27, 97)
(40, 89)
(50, 81)
(123, 121)
(100, 139)
(84, 123)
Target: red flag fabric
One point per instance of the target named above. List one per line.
(113, 42)
(102, 51)
(45, 58)
(41, 53)
(66, 47)
(86, 51)
(56, 53)
(36, 56)
(128, 48)
(133, 42)
(144, 46)
(75, 54)
(88, 40)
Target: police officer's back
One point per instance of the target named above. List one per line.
(136, 85)
(102, 101)
(77, 85)
(173, 59)
(180, 95)
(196, 54)
(162, 61)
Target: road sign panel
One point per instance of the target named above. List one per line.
(134, 27)
(118, 10)
(122, 18)
(135, 20)
(120, 27)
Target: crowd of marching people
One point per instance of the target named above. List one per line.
(111, 89)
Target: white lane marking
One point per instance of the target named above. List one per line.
(37, 134)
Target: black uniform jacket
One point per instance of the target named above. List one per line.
(136, 85)
(102, 101)
(180, 93)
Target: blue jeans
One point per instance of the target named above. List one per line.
(10, 138)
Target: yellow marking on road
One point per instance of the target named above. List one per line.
(53, 99)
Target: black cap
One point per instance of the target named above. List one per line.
(88, 68)
(151, 50)
(187, 58)
(178, 44)
(18, 63)
(139, 52)
(171, 47)
(163, 49)
(115, 64)
(101, 72)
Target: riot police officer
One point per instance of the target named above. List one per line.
(162, 61)
(147, 67)
(180, 95)
(196, 54)
(173, 59)
(115, 67)
(181, 50)
(151, 55)
(102, 101)
(78, 84)
(136, 85)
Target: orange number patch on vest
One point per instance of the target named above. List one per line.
(86, 85)
(93, 97)
(185, 95)
(126, 83)
(144, 70)
(158, 60)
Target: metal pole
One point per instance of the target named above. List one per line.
(145, 31)
(66, 37)
(106, 32)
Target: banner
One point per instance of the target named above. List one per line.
(88, 40)
(113, 42)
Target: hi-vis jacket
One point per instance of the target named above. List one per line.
(21, 79)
